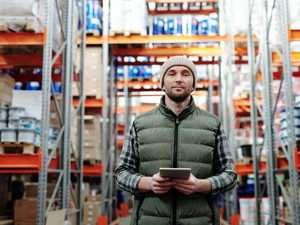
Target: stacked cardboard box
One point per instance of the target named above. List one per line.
(7, 84)
(92, 136)
(25, 212)
(93, 73)
(91, 210)
(31, 190)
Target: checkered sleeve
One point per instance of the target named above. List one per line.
(127, 169)
(224, 178)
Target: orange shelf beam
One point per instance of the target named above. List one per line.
(20, 163)
(147, 39)
(30, 60)
(21, 38)
(282, 163)
(192, 51)
(294, 35)
(246, 169)
(38, 77)
(295, 57)
(89, 102)
(93, 170)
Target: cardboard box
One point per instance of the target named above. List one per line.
(25, 212)
(31, 190)
(96, 198)
(92, 137)
(91, 212)
(7, 84)
(93, 73)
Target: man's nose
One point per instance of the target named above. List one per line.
(178, 77)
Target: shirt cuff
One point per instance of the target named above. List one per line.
(136, 181)
(214, 185)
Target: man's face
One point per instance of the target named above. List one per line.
(178, 83)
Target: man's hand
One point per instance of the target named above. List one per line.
(161, 185)
(156, 183)
(192, 185)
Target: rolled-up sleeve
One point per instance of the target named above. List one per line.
(224, 178)
(127, 170)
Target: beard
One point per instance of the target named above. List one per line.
(178, 97)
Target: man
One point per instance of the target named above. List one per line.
(176, 134)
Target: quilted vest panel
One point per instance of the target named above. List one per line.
(194, 139)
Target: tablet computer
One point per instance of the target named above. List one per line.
(177, 173)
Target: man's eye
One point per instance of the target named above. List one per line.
(171, 73)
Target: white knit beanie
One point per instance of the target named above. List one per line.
(177, 61)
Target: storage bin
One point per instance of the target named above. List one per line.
(3, 113)
(26, 136)
(8, 135)
(14, 113)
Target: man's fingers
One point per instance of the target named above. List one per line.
(165, 184)
(183, 190)
(180, 181)
(185, 186)
(161, 179)
(161, 190)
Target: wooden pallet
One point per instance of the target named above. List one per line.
(17, 148)
(93, 32)
(126, 33)
(28, 27)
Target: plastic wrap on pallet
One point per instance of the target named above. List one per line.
(135, 13)
(116, 16)
(15, 15)
(237, 12)
(128, 16)
(28, 15)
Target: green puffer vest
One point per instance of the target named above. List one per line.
(166, 140)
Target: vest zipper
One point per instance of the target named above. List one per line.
(174, 164)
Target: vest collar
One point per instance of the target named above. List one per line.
(170, 114)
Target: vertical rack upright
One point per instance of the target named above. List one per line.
(63, 185)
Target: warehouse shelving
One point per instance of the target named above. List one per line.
(152, 39)
(244, 169)
(21, 38)
(31, 164)
(274, 163)
(96, 105)
(38, 163)
(13, 61)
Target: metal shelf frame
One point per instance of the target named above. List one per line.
(272, 165)
(63, 186)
